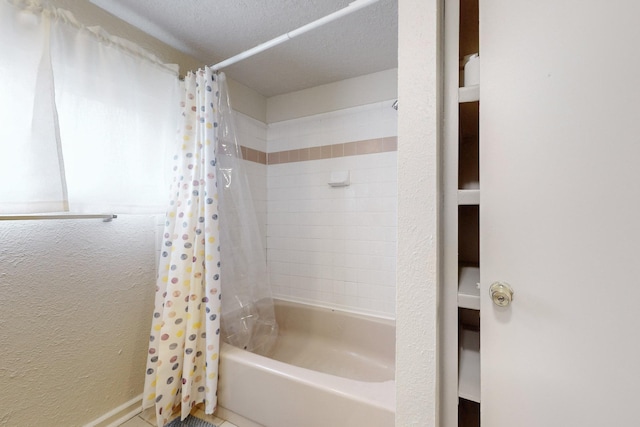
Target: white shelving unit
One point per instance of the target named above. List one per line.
(469, 197)
(469, 94)
(461, 186)
(468, 287)
(469, 378)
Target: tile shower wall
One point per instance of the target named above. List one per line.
(334, 246)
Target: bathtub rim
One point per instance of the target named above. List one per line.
(372, 315)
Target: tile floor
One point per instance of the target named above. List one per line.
(148, 418)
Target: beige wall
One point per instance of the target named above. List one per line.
(247, 101)
(75, 313)
(367, 89)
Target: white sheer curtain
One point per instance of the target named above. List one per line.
(30, 165)
(105, 149)
(117, 117)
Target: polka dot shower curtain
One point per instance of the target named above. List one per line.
(182, 364)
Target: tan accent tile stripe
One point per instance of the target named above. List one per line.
(252, 155)
(315, 153)
(262, 157)
(350, 148)
(368, 146)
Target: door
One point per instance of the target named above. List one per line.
(560, 212)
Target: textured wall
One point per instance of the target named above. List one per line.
(75, 306)
(419, 80)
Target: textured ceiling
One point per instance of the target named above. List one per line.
(361, 43)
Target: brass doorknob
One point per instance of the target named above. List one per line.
(501, 294)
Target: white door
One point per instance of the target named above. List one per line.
(560, 212)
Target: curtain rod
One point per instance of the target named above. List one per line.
(104, 217)
(352, 7)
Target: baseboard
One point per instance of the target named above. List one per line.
(118, 415)
(132, 408)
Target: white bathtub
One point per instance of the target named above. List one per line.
(329, 368)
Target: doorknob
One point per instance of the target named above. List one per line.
(501, 294)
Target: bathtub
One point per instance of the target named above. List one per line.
(329, 368)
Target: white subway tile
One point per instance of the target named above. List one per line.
(280, 280)
(324, 258)
(337, 260)
(279, 267)
(339, 288)
(297, 244)
(389, 234)
(338, 244)
(298, 269)
(351, 260)
(370, 291)
(277, 206)
(351, 288)
(380, 306)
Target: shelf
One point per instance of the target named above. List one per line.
(469, 94)
(469, 374)
(468, 291)
(468, 197)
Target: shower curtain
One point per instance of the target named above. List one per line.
(210, 246)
